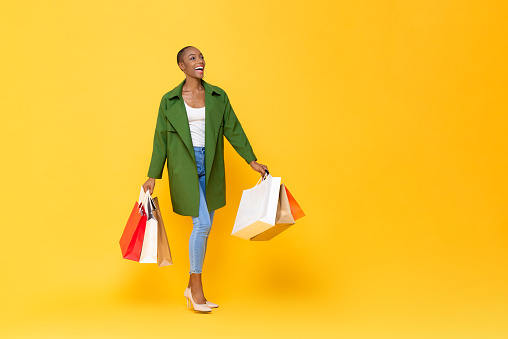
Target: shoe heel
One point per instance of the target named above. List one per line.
(197, 307)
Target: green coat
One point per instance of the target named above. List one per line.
(172, 142)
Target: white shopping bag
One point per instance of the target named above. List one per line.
(149, 248)
(258, 208)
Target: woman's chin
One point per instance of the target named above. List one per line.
(196, 76)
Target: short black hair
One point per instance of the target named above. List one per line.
(179, 56)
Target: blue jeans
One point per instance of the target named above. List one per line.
(202, 223)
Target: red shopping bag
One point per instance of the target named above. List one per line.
(131, 241)
(296, 210)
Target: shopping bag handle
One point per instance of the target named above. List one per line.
(143, 196)
(263, 177)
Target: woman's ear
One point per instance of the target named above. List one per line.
(181, 65)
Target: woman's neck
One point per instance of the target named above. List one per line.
(192, 84)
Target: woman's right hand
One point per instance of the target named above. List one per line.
(149, 184)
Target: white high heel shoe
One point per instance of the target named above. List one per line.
(208, 303)
(197, 307)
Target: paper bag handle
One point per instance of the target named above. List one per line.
(263, 177)
(143, 196)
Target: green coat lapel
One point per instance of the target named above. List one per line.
(177, 116)
(213, 117)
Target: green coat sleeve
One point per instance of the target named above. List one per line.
(159, 145)
(233, 131)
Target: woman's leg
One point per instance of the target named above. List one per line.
(211, 214)
(198, 239)
(198, 243)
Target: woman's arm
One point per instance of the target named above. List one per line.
(159, 150)
(233, 131)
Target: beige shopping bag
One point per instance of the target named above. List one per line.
(283, 218)
(163, 251)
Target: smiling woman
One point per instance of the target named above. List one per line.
(192, 58)
(194, 117)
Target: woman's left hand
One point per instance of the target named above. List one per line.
(258, 167)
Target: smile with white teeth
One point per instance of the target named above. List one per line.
(199, 69)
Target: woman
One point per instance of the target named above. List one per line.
(192, 121)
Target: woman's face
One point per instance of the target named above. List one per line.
(193, 63)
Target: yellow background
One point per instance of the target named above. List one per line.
(386, 120)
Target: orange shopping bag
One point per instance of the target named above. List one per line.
(296, 210)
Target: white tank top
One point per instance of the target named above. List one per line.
(196, 118)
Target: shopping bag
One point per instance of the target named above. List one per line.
(258, 208)
(149, 248)
(131, 241)
(296, 210)
(283, 219)
(163, 251)
(284, 215)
